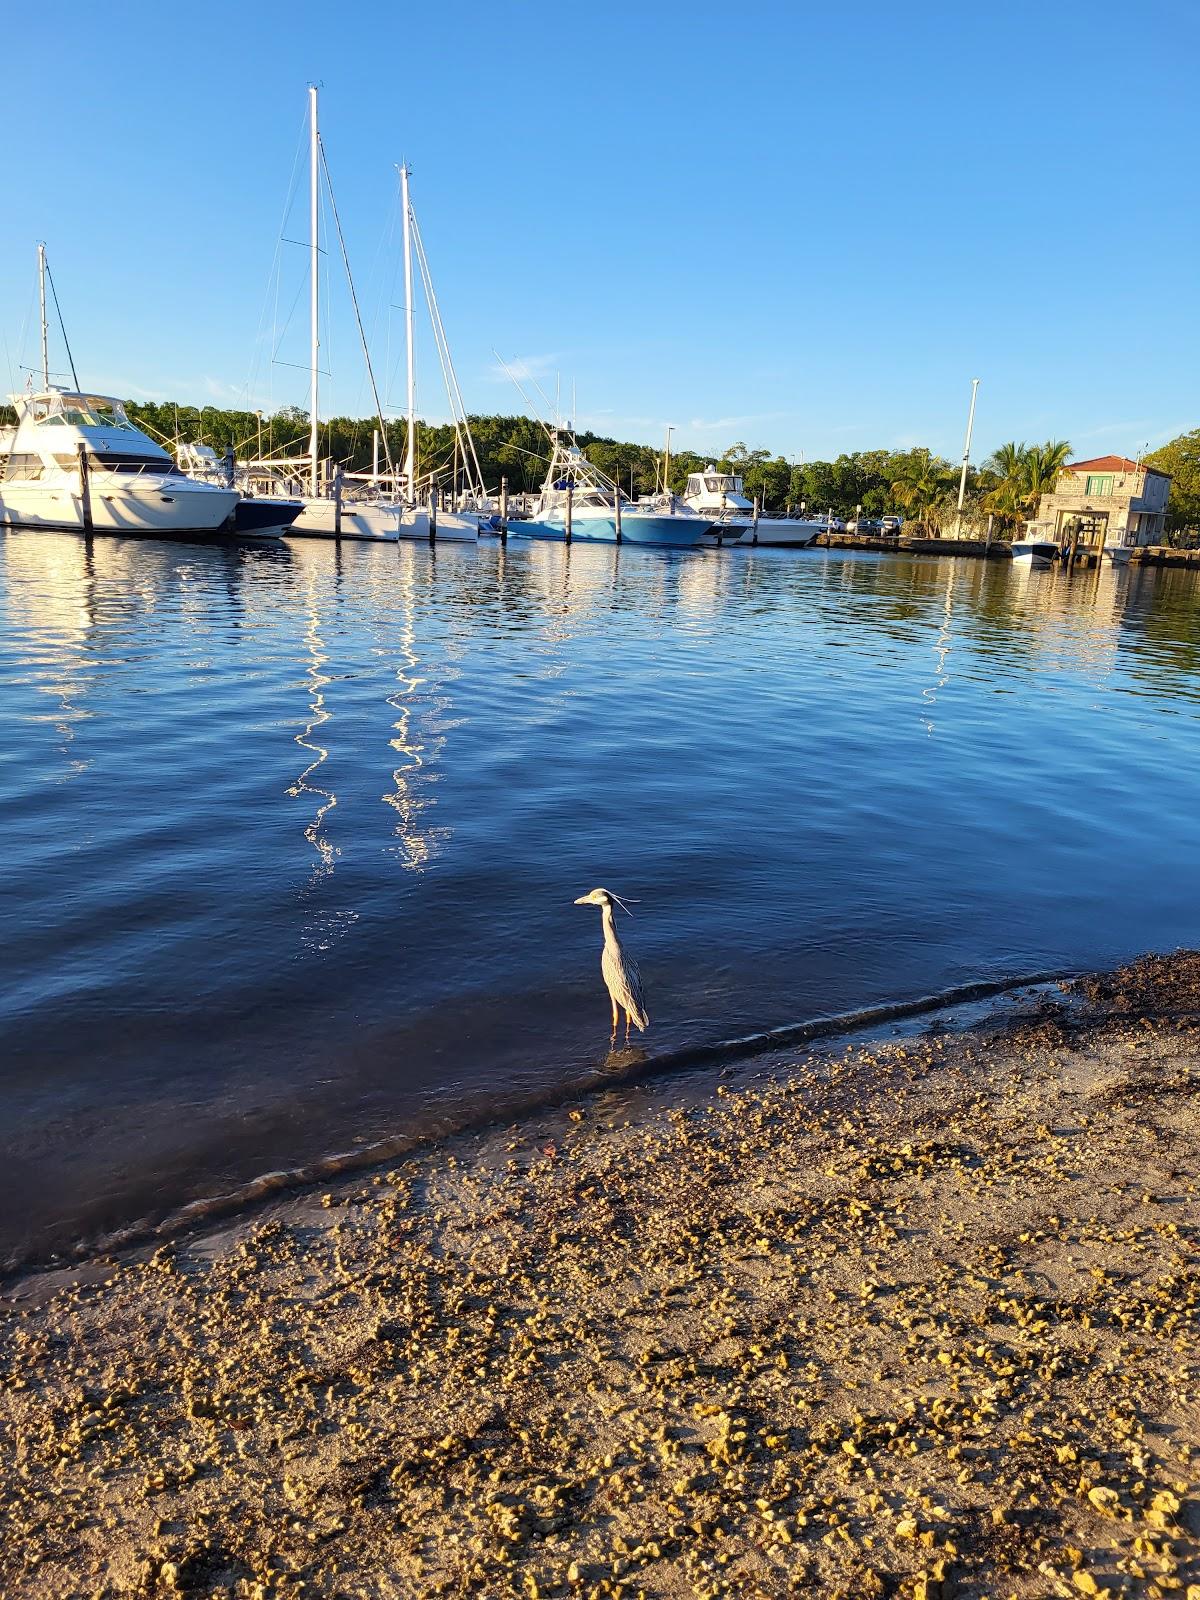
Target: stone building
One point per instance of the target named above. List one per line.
(1115, 502)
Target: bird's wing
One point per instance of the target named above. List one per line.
(624, 982)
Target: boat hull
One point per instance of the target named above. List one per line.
(1118, 554)
(262, 518)
(666, 532)
(788, 532)
(150, 507)
(1034, 553)
(458, 527)
(370, 522)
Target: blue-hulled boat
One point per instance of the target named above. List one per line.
(578, 501)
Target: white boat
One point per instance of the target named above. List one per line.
(796, 533)
(256, 515)
(718, 496)
(324, 518)
(1035, 552)
(721, 497)
(75, 461)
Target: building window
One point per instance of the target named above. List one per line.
(1099, 483)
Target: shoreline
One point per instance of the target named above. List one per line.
(630, 1067)
(911, 1315)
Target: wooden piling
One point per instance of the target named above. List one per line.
(570, 501)
(433, 511)
(503, 508)
(617, 509)
(337, 502)
(85, 488)
(754, 523)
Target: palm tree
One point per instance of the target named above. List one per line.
(1043, 464)
(1008, 460)
(923, 481)
(1026, 472)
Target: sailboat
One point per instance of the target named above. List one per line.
(329, 512)
(75, 461)
(461, 509)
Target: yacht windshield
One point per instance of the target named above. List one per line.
(723, 483)
(111, 414)
(85, 411)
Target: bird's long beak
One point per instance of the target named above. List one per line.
(585, 900)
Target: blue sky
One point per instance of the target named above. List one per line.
(805, 227)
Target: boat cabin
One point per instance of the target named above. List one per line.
(53, 423)
(714, 490)
(60, 408)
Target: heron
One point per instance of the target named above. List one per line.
(623, 980)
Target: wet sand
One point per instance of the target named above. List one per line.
(914, 1316)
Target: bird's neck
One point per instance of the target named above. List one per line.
(610, 927)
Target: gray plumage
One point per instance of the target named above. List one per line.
(621, 976)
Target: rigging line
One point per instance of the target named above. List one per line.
(387, 449)
(273, 275)
(423, 267)
(8, 363)
(440, 333)
(61, 324)
(536, 415)
(24, 334)
(374, 274)
(286, 326)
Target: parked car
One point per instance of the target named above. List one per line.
(890, 524)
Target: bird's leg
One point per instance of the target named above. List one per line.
(627, 1027)
(616, 1019)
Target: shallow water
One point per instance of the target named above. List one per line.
(292, 836)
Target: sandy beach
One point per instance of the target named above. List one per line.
(911, 1316)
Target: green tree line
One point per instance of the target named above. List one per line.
(914, 483)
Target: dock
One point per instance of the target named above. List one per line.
(995, 550)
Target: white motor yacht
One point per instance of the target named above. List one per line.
(75, 461)
(721, 497)
(718, 496)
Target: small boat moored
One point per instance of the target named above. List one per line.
(1034, 552)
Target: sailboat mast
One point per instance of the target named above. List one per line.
(410, 460)
(42, 299)
(313, 304)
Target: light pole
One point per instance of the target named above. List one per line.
(258, 414)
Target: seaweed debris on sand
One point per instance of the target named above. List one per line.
(915, 1317)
